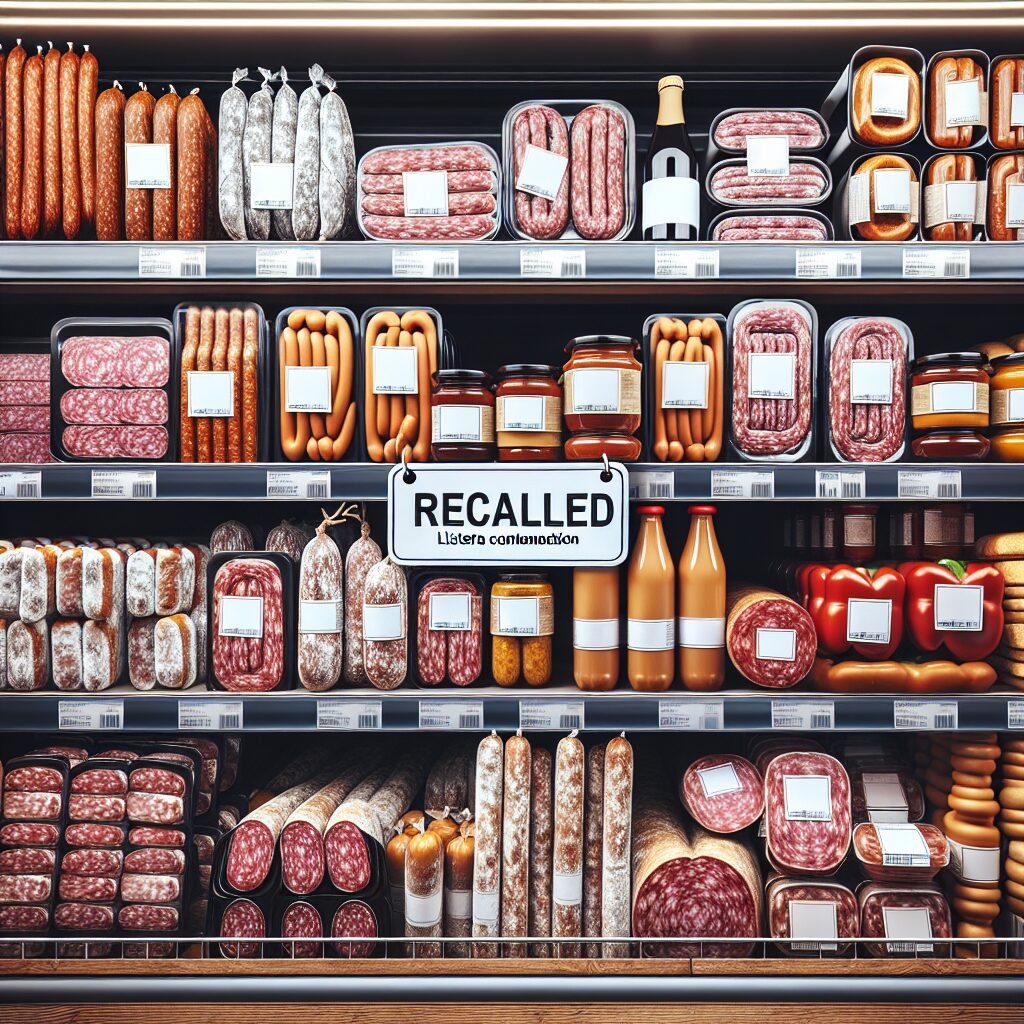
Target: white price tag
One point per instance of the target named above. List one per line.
(652, 485)
(1014, 205)
(298, 483)
(842, 264)
(383, 621)
(687, 715)
(742, 483)
(424, 262)
(890, 95)
(450, 612)
(685, 385)
(147, 165)
(395, 370)
(929, 483)
(287, 262)
(868, 621)
(211, 393)
(803, 714)
(771, 375)
(451, 714)
(702, 264)
(892, 190)
(90, 714)
(768, 155)
(963, 103)
(542, 172)
(721, 778)
(425, 193)
(840, 483)
(321, 616)
(157, 261)
(348, 715)
(775, 644)
(553, 262)
(561, 715)
(919, 262)
(959, 608)
(271, 187)
(21, 484)
(1015, 714)
(515, 616)
(241, 616)
(871, 381)
(924, 714)
(813, 919)
(215, 715)
(1017, 110)
(884, 797)
(903, 846)
(807, 797)
(307, 388)
(123, 483)
(907, 923)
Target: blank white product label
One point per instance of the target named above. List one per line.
(271, 186)
(425, 193)
(595, 634)
(871, 381)
(963, 103)
(892, 190)
(907, 923)
(696, 632)
(961, 201)
(903, 846)
(651, 634)
(395, 370)
(321, 617)
(383, 621)
(458, 904)
(307, 388)
(685, 385)
(771, 374)
(1017, 110)
(458, 423)
(595, 391)
(450, 611)
(567, 888)
(1014, 405)
(884, 791)
(522, 412)
(768, 155)
(813, 919)
(775, 644)
(485, 906)
(868, 621)
(423, 911)
(959, 608)
(241, 616)
(953, 396)
(890, 95)
(1014, 205)
(517, 616)
(807, 797)
(147, 165)
(722, 778)
(542, 172)
(672, 200)
(974, 863)
(211, 393)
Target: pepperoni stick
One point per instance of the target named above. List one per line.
(32, 142)
(88, 83)
(71, 181)
(109, 147)
(165, 133)
(234, 365)
(138, 202)
(13, 140)
(51, 141)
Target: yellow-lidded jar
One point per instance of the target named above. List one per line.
(522, 623)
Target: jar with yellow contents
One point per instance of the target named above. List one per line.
(1006, 411)
(522, 623)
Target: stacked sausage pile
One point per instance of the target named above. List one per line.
(24, 407)
(27, 602)
(1011, 824)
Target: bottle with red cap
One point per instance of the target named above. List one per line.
(702, 604)
(651, 606)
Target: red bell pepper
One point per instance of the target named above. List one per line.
(832, 588)
(929, 632)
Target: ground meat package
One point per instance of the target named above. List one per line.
(804, 130)
(803, 909)
(114, 395)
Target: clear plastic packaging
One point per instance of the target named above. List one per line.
(808, 183)
(802, 139)
(775, 224)
(969, 105)
(855, 201)
(951, 217)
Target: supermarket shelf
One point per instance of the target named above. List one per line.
(503, 262)
(368, 481)
(553, 709)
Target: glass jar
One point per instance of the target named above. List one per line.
(529, 413)
(602, 384)
(905, 534)
(949, 390)
(859, 533)
(1008, 445)
(1007, 408)
(951, 445)
(462, 417)
(829, 534)
(942, 532)
(590, 447)
(522, 621)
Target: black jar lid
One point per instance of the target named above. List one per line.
(967, 359)
(442, 377)
(528, 370)
(602, 341)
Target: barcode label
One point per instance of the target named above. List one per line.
(298, 483)
(1015, 714)
(90, 714)
(652, 485)
(568, 263)
(701, 264)
(160, 262)
(451, 714)
(210, 715)
(923, 714)
(929, 483)
(923, 262)
(841, 264)
(703, 716)
(287, 262)
(123, 483)
(21, 485)
(350, 715)
(424, 262)
(738, 483)
(538, 714)
(840, 483)
(791, 714)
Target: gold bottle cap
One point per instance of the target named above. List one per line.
(670, 81)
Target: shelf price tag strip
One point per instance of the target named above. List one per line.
(840, 264)
(286, 261)
(691, 715)
(211, 714)
(840, 483)
(936, 263)
(929, 483)
(123, 483)
(803, 714)
(652, 485)
(566, 263)
(21, 484)
(742, 483)
(702, 264)
(925, 714)
(156, 261)
(542, 714)
(451, 714)
(424, 262)
(349, 715)
(90, 714)
(285, 483)
(1015, 714)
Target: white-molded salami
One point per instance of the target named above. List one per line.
(490, 773)
(567, 857)
(615, 845)
(515, 844)
(593, 848)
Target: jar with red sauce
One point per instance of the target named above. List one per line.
(949, 391)
(529, 413)
(592, 446)
(942, 532)
(905, 533)
(951, 445)
(462, 417)
(858, 537)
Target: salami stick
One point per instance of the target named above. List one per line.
(593, 857)
(615, 842)
(567, 857)
(541, 829)
(487, 866)
(515, 849)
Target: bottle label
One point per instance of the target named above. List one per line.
(671, 201)
(651, 634)
(595, 634)
(456, 424)
(612, 391)
(694, 632)
(951, 396)
(1007, 405)
(529, 413)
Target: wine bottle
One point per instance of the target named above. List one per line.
(670, 200)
